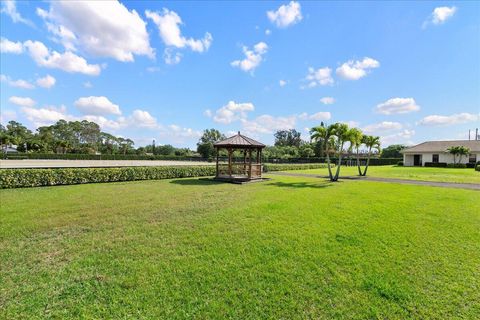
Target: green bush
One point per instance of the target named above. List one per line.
(293, 166)
(436, 164)
(400, 163)
(456, 165)
(80, 156)
(20, 178)
(477, 168)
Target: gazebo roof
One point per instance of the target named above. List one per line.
(239, 140)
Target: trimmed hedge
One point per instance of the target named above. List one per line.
(477, 168)
(456, 165)
(21, 178)
(436, 164)
(299, 166)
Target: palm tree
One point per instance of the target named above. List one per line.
(460, 151)
(342, 133)
(371, 142)
(356, 140)
(324, 134)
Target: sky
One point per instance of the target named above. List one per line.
(405, 71)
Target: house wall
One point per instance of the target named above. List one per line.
(428, 157)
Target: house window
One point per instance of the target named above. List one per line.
(472, 158)
(435, 158)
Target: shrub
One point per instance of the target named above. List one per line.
(477, 168)
(400, 163)
(436, 164)
(20, 178)
(457, 165)
(287, 166)
(470, 165)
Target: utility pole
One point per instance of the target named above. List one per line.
(468, 134)
(476, 134)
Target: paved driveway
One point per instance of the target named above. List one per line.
(95, 163)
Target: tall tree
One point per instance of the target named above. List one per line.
(206, 141)
(392, 151)
(371, 142)
(325, 134)
(459, 151)
(290, 138)
(356, 140)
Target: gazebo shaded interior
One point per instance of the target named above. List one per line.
(246, 165)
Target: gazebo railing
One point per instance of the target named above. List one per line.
(240, 169)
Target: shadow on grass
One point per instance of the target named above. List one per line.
(298, 185)
(196, 182)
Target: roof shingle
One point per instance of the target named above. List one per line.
(239, 140)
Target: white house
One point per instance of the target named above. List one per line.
(436, 152)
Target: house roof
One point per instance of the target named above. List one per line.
(239, 140)
(442, 146)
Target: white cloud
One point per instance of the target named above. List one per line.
(382, 126)
(458, 118)
(354, 70)
(100, 28)
(66, 61)
(87, 84)
(440, 15)
(46, 115)
(97, 106)
(208, 113)
(9, 7)
(232, 111)
(46, 82)
(397, 106)
(403, 137)
(22, 101)
(253, 58)
(24, 84)
(144, 119)
(286, 15)
(171, 57)
(268, 32)
(267, 124)
(327, 100)
(168, 23)
(282, 83)
(319, 77)
(351, 123)
(7, 46)
(319, 116)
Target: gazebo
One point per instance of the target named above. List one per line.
(248, 167)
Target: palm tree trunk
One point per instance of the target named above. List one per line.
(339, 164)
(329, 168)
(368, 162)
(358, 164)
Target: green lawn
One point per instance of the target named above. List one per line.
(410, 173)
(290, 248)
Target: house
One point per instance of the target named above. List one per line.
(437, 152)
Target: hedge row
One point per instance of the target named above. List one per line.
(477, 168)
(20, 178)
(287, 166)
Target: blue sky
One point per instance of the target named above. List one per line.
(406, 71)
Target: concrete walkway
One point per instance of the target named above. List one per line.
(468, 186)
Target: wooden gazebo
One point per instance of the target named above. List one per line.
(245, 167)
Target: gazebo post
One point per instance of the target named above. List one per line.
(217, 151)
(244, 160)
(249, 164)
(230, 162)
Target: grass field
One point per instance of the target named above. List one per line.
(289, 248)
(409, 173)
